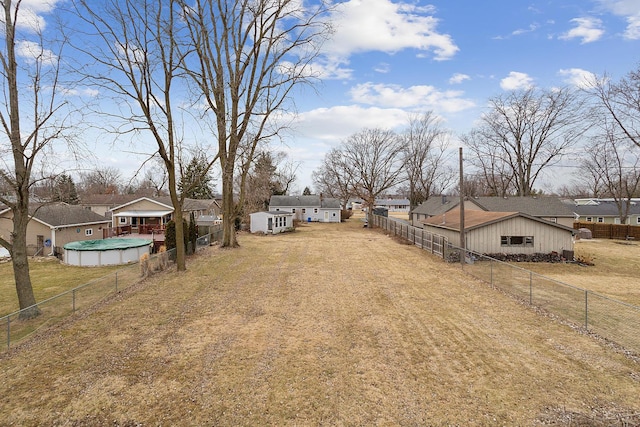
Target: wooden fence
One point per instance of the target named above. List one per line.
(610, 231)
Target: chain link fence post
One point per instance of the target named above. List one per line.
(586, 309)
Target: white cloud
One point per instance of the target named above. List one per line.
(629, 9)
(532, 28)
(414, 97)
(30, 14)
(458, 78)
(382, 68)
(333, 124)
(386, 26)
(32, 51)
(516, 80)
(578, 77)
(588, 29)
(633, 28)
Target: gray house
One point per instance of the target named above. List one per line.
(606, 212)
(502, 232)
(314, 208)
(551, 209)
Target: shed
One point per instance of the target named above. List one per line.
(272, 222)
(502, 232)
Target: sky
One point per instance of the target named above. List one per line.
(389, 59)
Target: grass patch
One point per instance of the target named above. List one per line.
(332, 325)
(49, 278)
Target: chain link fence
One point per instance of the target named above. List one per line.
(608, 318)
(60, 307)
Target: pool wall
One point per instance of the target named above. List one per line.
(97, 258)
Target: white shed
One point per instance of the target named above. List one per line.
(272, 222)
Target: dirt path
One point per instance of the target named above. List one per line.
(330, 325)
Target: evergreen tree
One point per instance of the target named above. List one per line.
(193, 232)
(195, 182)
(306, 192)
(64, 190)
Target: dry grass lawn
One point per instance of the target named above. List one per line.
(614, 273)
(330, 325)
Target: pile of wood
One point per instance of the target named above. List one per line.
(537, 257)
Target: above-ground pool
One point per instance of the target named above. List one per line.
(89, 253)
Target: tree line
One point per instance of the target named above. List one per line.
(521, 134)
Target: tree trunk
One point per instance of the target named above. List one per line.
(177, 218)
(20, 261)
(228, 210)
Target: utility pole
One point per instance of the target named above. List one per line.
(462, 239)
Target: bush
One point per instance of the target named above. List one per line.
(170, 234)
(345, 214)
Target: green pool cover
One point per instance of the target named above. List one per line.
(106, 244)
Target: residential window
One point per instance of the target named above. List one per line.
(616, 221)
(122, 220)
(638, 220)
(589, 219)
(293, 210)
(88, 232)
(553, 220)
(600, 219)
(304, 210)
(315, 210)
(516, 240)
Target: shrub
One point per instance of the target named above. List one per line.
(345, 214)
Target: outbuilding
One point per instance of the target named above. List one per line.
(502, 232)
(272, 222)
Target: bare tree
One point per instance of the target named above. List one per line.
(617, 162)
(155, 179)
(425, 156)
(140, 49)
(619, 103)
(33, 117)
(334, 178)
(375, 159)
(494, 176)
(525, 132)
(250, 55)
(106, 180)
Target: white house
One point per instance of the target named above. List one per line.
(314, 208)
(272, 222)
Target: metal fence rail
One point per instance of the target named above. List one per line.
(613, 320)
(59, 307)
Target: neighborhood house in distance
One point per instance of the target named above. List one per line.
(283, 210)
(54, 225)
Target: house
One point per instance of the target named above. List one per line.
(551, 209)
(606, 212)
(502, 232)
(394, 205)
(103, 203)
(145, 214)
(54, 225)
(308, 208)
(272, 222)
